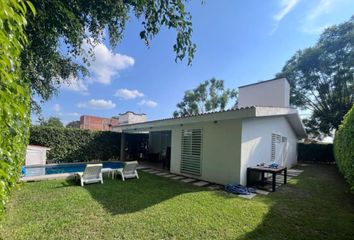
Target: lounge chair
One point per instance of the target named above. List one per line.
(129, 170)
(92, 174)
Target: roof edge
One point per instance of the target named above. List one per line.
(211, 116)
(264, 81)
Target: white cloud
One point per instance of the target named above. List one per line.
(56, 107)
(102, 67)
(147, 103)
(74, 114)
(325, 13)
(311, 23)
(128, 94)
(107, 64)
(322, 7)
(313, 28)
(97, 104)
(286, 6)
(75, 84)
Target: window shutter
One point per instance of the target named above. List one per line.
(191, 151)
(276, 140)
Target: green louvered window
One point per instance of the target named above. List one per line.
(191, 153)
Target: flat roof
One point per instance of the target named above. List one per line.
(264, 81)
(132, 113)
(238, 113)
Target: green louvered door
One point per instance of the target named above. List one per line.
(191, 152)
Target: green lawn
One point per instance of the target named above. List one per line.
(316, 205)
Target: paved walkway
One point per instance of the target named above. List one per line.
(176, 177)
(212, 186)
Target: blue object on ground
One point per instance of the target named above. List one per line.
(238, 189)
(24, 170)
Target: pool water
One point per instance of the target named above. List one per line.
(64, 168)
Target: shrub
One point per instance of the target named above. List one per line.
(14, 96)
(76, 145)
(344, 147)
(314, 152)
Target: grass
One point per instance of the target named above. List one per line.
(316, 205)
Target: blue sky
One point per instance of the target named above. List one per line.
(240, 42)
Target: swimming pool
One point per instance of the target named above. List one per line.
(34, 171)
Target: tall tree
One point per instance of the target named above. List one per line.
(51, 122)
(210, 95)
(322, 78)
(77, 22)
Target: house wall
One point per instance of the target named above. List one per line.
(256, 142)
(274, 93)
(220, 150)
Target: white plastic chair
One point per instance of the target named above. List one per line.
(92, 174)
(129, 170)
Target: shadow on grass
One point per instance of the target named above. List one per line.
(315, 205)
(132, 195)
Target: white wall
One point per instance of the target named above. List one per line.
(273, 93)
(256, 142)
(36, 155)
(220, 150)
(130, 117)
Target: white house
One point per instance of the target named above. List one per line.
(219, 146)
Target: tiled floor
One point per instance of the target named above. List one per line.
(169, 175)
(178, 178)
(161, 174)
(188, 180)
(200, 183)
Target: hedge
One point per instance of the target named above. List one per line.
(76, 145)
(314, 152)
(14, 96)
(344, 147)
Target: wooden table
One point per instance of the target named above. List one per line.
(262, 170)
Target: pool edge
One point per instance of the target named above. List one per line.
(60, 176)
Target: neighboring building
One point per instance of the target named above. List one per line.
(106, 124)
(131, 117)
(219, 146)
(97, 123)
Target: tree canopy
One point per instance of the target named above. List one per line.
(73, 124)
(322, 78)
(210, 95)
(77, 22)
(52, 122)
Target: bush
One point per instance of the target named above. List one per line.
(14, 96)
(344, 147)
(76, 145)
(314, 152)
